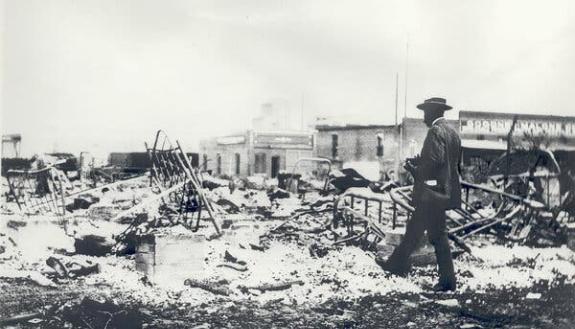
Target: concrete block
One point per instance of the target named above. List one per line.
(421, 257)
(393, 237)
(170, 259)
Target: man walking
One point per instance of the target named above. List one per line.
(436, 189)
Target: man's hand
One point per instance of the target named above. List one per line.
(410, 167)
(415, 160)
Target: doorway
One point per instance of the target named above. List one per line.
(219, 164)
(237, 156)
(275, 165)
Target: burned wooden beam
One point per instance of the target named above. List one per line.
(213, 287)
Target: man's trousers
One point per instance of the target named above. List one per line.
(426, 217)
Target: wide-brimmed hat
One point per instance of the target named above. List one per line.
(434, 103)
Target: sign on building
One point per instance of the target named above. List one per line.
(499, 124)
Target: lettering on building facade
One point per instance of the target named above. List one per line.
(500, 124)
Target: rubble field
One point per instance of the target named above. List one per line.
(279, 260)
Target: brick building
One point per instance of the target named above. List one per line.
(377, 144)
(483, 136)
(356, 143)
(414, 131)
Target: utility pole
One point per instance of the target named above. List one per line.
(396, 96)
(397, 128)
(400, 130)
(301, 112)
(406, 71)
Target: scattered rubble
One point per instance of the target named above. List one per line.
(71, 269)
(223, 244)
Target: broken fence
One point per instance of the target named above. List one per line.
(512, 218)
(41, 190)
(180, 189)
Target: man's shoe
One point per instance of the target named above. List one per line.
(443, 287)
(386, 267)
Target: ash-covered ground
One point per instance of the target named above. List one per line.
(269, 269)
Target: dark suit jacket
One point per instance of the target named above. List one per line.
(439, 161)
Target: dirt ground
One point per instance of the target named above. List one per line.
(497, 308)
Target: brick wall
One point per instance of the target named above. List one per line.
(414, 132)
(359, 143)
(356, 143)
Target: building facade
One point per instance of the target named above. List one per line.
(11, 145)
(557, 131)
(376, 144)
(485, 135)
(413, 132)
(255, 153)
(356, 143)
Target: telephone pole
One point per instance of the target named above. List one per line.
(406, 71)
(397, 128)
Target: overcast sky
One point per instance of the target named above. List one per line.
(104, 75)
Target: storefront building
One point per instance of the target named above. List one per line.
(485, 135)
(255, 153)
